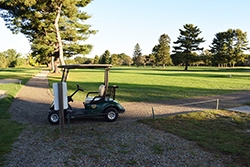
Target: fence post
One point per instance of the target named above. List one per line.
(217, 104)
(61, 107)
(153, 112)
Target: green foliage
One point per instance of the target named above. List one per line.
(114, 59)
(137, 56)
(207, 58)
(10, 58)
(188, 42)
(3, 61)
(124, 59)
(96, 59)
(48, 23)
(105, 58)
(150, 60)
(217, 131)
(228, 47)
(162, 51)
(80, 60)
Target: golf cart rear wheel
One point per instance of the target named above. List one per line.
(53, 118)
(111, 114)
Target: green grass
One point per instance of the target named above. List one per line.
(219, 131)
(157, 84)
(10, 130)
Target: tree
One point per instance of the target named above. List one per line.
(114, 59)
(162, 51)
(137, 55)
(207, 57)
(151, 60)
(49, 25)
(127, 60)
(188, 42)
(3, 61)
(177, 58)
(96, 59)
(228, 47)
(124, 59)
(105, 58)
(12, 57)
(80, 59)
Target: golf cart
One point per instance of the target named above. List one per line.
(103, 102)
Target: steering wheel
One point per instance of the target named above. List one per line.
(79, 87)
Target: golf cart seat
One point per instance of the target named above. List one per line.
(100, 95)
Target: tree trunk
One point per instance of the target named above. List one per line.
(186, 66)
(56, 63)
(59, 40)
(52, 64)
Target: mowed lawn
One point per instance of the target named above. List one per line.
(158, 84)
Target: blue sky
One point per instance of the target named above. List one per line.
(123, 23)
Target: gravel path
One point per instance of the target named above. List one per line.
(93, 142)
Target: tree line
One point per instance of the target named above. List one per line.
(227, 49)
(57, 33)
(10, 58)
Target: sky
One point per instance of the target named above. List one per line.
(121, 24)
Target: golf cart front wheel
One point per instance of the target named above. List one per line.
(111, 114)
(53, 118)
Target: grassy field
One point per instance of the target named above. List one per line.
(157, 84)
(221, 132)
(10, 130)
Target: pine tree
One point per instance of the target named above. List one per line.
(137, 56)
(162, 51)
(188, 42)
(49, 26)
(105, 58)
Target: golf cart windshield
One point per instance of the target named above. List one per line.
(66, 69)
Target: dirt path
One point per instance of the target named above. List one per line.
(32, 103)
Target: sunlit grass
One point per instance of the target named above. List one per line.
(216, 131)
(157, 84)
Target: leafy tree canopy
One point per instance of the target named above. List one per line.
(49, 25)
(228, 47)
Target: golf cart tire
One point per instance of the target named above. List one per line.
(53, 118)
(111, 114)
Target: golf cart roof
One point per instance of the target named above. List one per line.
(76, 66)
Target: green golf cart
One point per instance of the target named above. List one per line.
(100, 103)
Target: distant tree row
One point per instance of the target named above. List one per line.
(105, 58)
(10, 58)
(227, 49)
